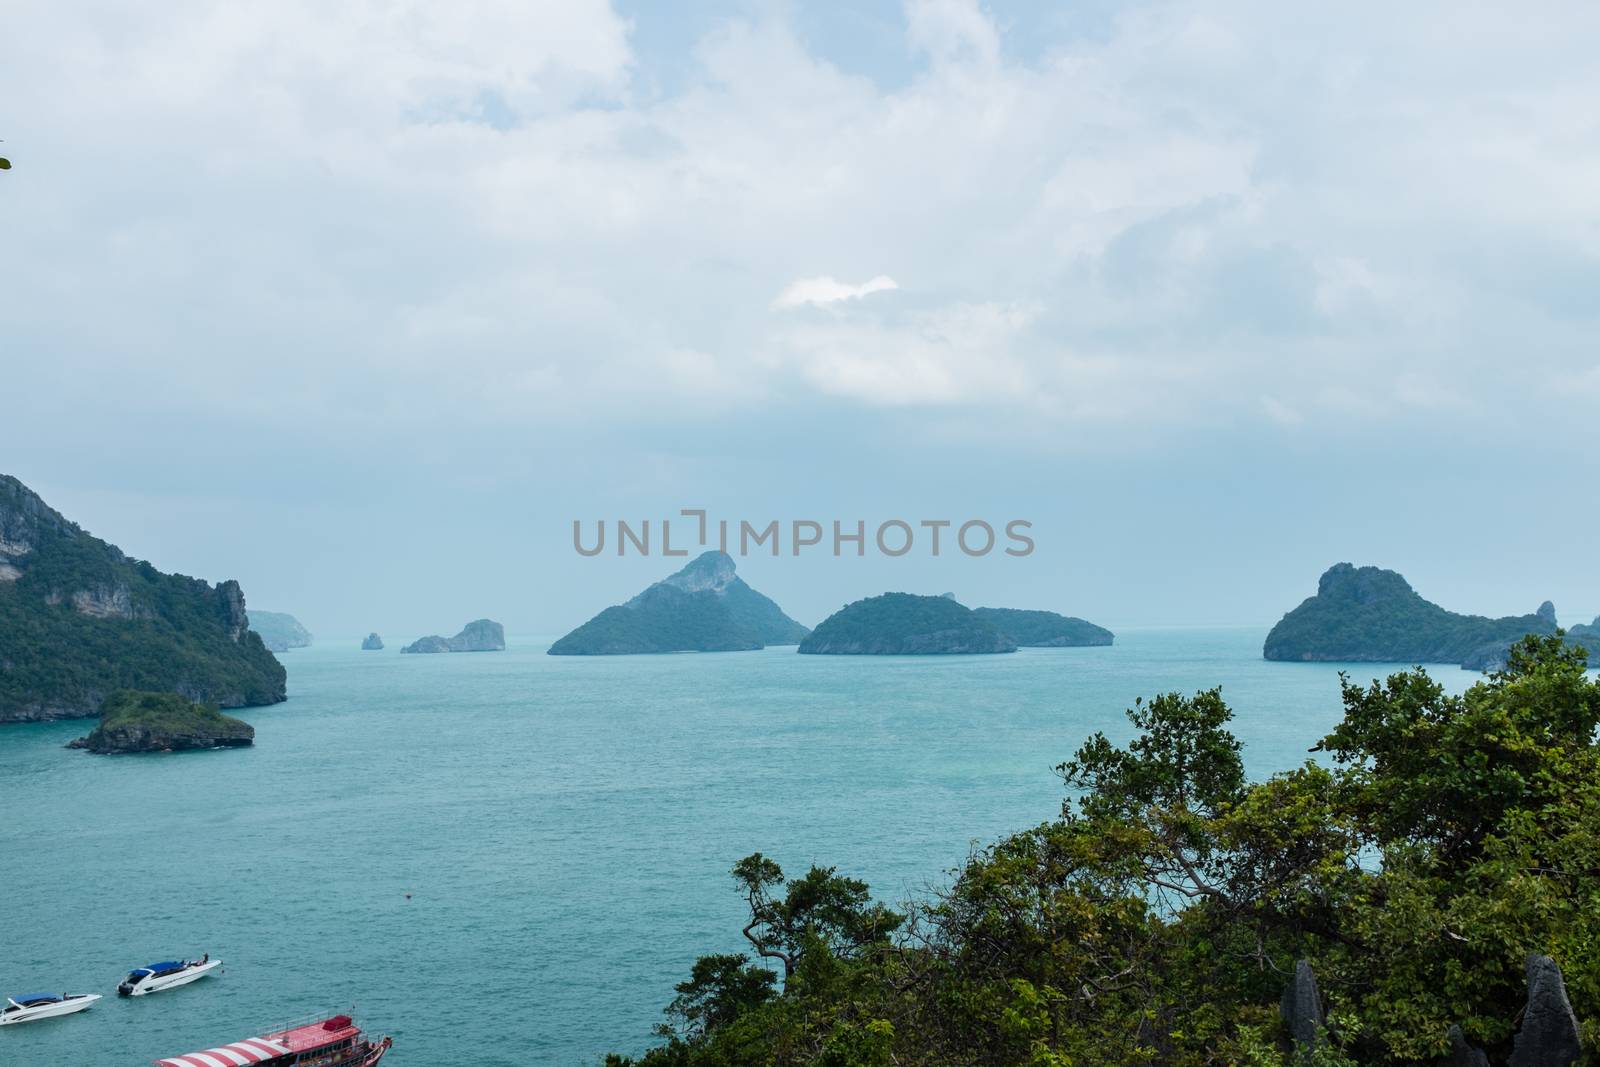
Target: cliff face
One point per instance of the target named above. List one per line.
(705, 607)
(480, 635)
(79, 620)
(1371, 615)
(903, 624)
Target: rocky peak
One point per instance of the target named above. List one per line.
(24, 519)
(1547, 612)
(710, 570)
(1364, 585)
(230, 606)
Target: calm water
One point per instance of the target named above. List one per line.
(564, 825)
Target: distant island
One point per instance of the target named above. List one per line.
(705, 607)
(904, 624)
(80, 620)
(1367, 614)
(1045, 629)
(480, 635)
(279, 632)
(372, 643)
(132, 721)
(1494, 657)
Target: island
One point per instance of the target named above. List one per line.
(1370, 615)
(80, 620)
(279, 632)
(372, 643)
(480, 635)
(904, 624)
(135, 721)
(1494, 657)
(1045, 629)
(705, 607)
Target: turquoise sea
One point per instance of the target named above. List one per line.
(564, 827)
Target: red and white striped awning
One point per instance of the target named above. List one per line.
(238, 1054)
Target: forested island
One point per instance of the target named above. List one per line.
(1423, 896)
(905, 624)
(1367, 614)
(80, 620)
(704, 607)
(132, 721)
(1045, 629)
(279, 631)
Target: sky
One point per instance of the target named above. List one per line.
(364, 304)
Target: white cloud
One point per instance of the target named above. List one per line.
(827, 290)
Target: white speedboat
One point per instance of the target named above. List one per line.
(166, 975)
(44, 1006)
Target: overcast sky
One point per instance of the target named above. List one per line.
(364, 303)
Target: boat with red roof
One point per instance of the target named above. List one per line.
(328, 1042)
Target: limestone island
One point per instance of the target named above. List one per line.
(279, 632)
(480, 635)
(1494, 657)
(904, 624)
(80, 620)
(705, 607)
(1045, 629)
(372, 643)
(134, 721)
(1371, 615)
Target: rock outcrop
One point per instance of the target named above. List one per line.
(1301, 1007)
(1462, 1052)
(132, 721)
(279, 631)
(1495, 656)
(480, 635)
(372, 643)
(1045, 629)
(1370, 615)
(80, 620)
(1549, 1033)
(705, 607)
(904, 624)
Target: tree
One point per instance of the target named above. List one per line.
(836, 911)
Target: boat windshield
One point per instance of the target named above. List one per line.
(134, 976)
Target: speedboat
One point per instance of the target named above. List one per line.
(155, 977)
(33, 1006)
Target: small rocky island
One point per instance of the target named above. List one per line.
(372, 643)
(279, 631)
(1494, 657)
(1045, 629)
(135, 721)
(480, 635)
(705, 607)
(904, 624)
(1370, 615)
(80, 620)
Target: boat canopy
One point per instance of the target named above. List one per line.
(157, 968)
(238, 1054)
(28, 999)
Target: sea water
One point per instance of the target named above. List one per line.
(510, 858)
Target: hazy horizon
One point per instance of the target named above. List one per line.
(364, 311)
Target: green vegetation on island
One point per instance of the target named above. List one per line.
(1370, 615)
(80, 620)
(705, 607)
(1439, 842)
(905, 624)
(279, 632)
(480, 635)
(1045, 629)
(132, 721)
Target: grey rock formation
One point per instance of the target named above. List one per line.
(1462, 1053)
(1547, 612)
(373, 643)
(480, 635)
(1549, 1034)
(1301, 1006)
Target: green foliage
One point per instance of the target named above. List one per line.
(1044, 629)
(661, 619)
(162, 712)
(1157, 921)
(906, 624)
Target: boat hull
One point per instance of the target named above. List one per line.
(170, 981)
(51, 1011)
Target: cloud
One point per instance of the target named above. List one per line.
(827, 290)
